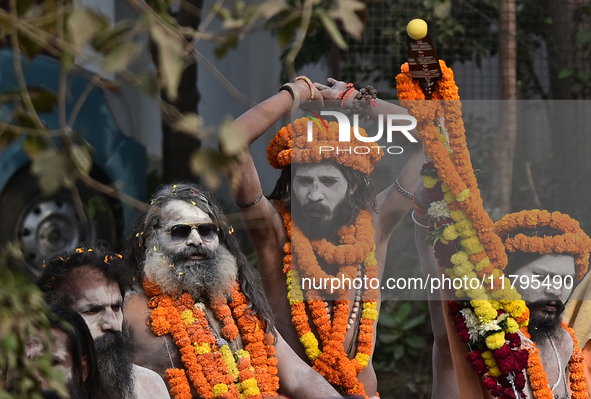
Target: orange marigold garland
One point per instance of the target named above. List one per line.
(356, 246)
(573, 241)
(537, 375)
(465, 243)
(212, 369)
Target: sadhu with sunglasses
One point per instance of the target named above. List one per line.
(198, 317)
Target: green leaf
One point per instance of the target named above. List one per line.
(346, 12)
(442, 9)
(228, 44)
(332, 29)
(81, 158)
(412, 323)
(121, 56)
(585, 76)
(232, 138)
(416, 342)
(170, 58)
(388, 320)
(584, 36)
(270, 8)
(389, 338)
(565, 73)
(54, 171)
(33, 145)
(548, 21)
(83, 24)
(188, 123)
(286, 33)
(43, 100)
(208, 163)
(403, 312)
(399, 352)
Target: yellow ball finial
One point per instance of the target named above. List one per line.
(417, 29)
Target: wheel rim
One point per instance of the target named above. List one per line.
(50, 226)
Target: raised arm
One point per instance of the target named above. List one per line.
(262, 221)
(258, 213)
(444, 376)
(393, 203)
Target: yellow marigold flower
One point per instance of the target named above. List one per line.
(482, 296)
(495, 341)
(444, 187)
(463, 195)
(477, 293)
(474, 249)
(467, 233)
(483, 264)
(484, 310)
(496, 304)
(240, 353)
(370, 260)
(459, 258)
(449, 197)
(230, 362)
(463, 269)
(362, 359)
(219, 389)
(512, 325)
(250, 387)
(469, 243)
(430, 181)
(458, 215)
(311, 345)
(450, 273)
(203, 348)
(370, 314)
(187, 317)
(443, 240)
(460, 293)
(450, 233)
(494, 372)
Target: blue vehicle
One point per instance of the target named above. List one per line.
(45, 225)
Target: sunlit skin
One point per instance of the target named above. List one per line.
(180, 212)
(321, 183)
(98, 301)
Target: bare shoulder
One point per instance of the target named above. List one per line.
(136, 310)
(149, 385)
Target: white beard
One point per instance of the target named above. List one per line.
(200, 278)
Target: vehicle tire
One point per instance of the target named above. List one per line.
(46, 225)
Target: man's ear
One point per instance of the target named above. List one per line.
(352, 188)
(85, 368)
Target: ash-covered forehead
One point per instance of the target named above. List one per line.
(188, 193)
(181, 212)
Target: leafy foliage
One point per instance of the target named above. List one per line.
(404, 338)
(23, 314)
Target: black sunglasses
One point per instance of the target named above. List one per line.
(180, 232)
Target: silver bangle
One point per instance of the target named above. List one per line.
(415, 220)
(404, 192)
(295, 95)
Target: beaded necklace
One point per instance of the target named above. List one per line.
(356, 247)
(539, 380)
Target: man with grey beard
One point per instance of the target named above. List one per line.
(92, 282)
(200, 319)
